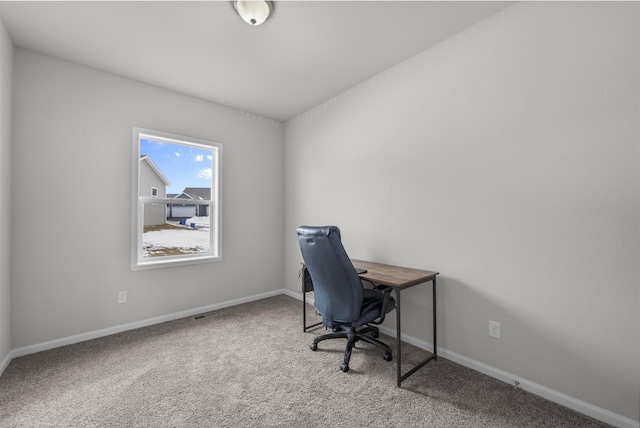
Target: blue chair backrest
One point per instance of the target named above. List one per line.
(337, 287)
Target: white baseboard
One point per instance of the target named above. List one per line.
(5, 362)
(295, 295)
(565, 400)
(38, 347)
(529, 386)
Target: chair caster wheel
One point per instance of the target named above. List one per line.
(344, 367)
(375, 334)
(314, 346)
(387, 357)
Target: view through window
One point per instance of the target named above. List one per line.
(176, 200)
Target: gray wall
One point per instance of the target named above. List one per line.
(72, 145)
(6, 71)
(508, 160)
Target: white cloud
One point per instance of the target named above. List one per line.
(209, 157)
(198, 158)
(177, 154)
(205, 173)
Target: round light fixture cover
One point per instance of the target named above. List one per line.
(253, 12)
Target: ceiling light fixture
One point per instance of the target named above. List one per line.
(253, 12)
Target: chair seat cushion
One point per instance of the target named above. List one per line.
(369, 294)
(375, 311)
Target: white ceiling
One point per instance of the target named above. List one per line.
(305, 54)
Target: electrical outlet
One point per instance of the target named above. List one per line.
(122, 297)
(494, 329)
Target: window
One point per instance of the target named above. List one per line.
(176, 200)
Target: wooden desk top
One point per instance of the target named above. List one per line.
(394, 276)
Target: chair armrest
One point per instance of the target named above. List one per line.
(386, 290)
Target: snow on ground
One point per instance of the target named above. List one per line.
(184, 240)
(200, 222)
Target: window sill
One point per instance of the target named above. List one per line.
(157, 264)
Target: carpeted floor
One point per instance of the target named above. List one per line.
(251, 366)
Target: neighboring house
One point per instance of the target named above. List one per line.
(152, 183)
(179, 211)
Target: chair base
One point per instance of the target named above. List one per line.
(353, 336)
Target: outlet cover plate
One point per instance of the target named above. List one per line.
(122, 297)
(494, 329)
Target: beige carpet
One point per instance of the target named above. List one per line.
(250, 366)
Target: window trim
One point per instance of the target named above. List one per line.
(138, 262)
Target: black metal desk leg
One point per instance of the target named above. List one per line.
(398, 341)
(435, 330)
(304, 309)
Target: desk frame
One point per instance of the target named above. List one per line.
(398, 278)
(307, 285)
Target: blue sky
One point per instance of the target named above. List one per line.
(183, 166)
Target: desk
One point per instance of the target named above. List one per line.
(398, 278)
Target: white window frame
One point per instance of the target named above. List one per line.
(154, 192)
(138, 261)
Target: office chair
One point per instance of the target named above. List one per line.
(346, 306)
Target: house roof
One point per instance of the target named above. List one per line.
(197, 193)
(155, 169)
